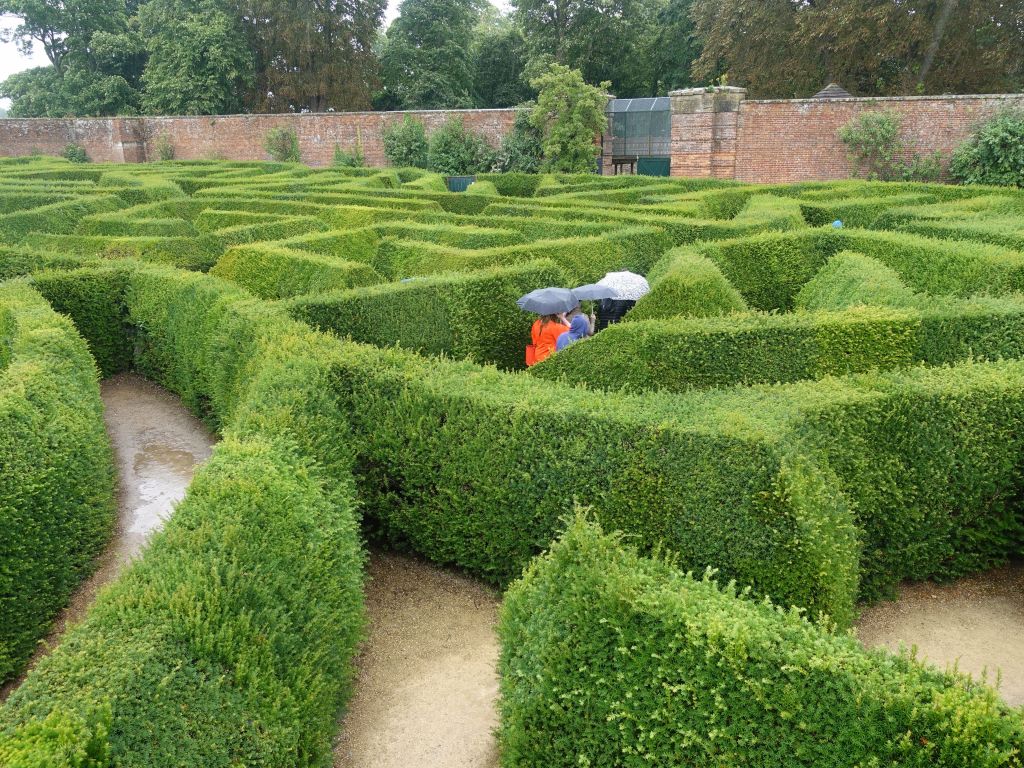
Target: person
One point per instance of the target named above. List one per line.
(544, 333)
(579, 328)
(610, 311)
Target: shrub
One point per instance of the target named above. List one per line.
(456, 151)
(608, 658)
(405, 143)
(470, 315)
(75, 153)
(277, 273)
(569, 114)
(353, 159)
(848, 279)
(198, 253)
(57, 485)
(686, 283)
(282, 144)
(994, 154)
(521, 152)
(164, 147)
(60, 218)
(877, 152)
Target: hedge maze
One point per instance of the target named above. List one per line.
(814, 413)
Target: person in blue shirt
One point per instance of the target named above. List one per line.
(579, 328)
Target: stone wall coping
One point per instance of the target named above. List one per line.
(932, 97)
(370, 113)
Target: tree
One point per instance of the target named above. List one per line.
(674, 48)
(199, 61)
(456, 151)
(405, 143)
(312, 55)
(569, 114)
(499, 57)
(785, 48)
(521, 148)
(605, 39)
(425, 62)
(994, 154)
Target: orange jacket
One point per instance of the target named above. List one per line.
(545, 337)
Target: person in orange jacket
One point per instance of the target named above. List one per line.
(544, 333)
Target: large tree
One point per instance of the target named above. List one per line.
(199, 61)
(786, 48)
(605, 39)
(95, 51)
(314, 55)
(426, 61)
(499, 57)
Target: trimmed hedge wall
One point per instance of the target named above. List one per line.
(470, 315)
(219, 614)
(608, 658)
(848, 279)
(686, 283)
(199, 253)
(279, 273)
(56, 470)
(59, 218)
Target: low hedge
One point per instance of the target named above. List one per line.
(198, 253)
(23, 199)
(530, 228)
(57, 483)
(462, 315)
(513, 184)
(348, 244)
(247, 609)
(848, 279)
(462, 236)
(58, 218)
(213, 219)
(281, 229)
(686, 283)
(859, 211)
(582, 259)
(278, 273)
(18, 261)
(608, 658)
(121, 225)
(680, 354)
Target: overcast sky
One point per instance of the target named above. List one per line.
(12, 61)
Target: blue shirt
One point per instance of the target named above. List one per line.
(578, 329)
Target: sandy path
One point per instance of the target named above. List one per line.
(157, 445)
(427, 683)
(977, 621)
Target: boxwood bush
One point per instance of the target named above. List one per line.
(608, 658)
(57, 483)
(278, 273)
(685, 283)
(850, 278)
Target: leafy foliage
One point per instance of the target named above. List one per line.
(75, 153)
(456, 151)
(994, 154)
(282, 144)
(878, 153)
(569, 114)
(521, 148)
(405, 143)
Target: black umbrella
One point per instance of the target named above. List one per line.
(548, 301)
(594, 291)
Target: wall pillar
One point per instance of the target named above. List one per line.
(704, 131)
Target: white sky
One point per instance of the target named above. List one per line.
(11, 60)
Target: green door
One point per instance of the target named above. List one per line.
(653, 166)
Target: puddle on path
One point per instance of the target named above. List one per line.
(157, 445)
(977, 621)
(427, 684)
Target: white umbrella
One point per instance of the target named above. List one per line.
(627, 285)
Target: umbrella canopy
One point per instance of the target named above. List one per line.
(548, 301)
(594, 291)
(627, 285)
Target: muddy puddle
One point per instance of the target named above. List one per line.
(427, 685)
(157, 445)
(976, 622)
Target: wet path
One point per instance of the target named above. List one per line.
(427, 683)
(157, 445)
(977, 621)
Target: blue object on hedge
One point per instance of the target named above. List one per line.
(548, 301)
(837, 224)
(594, 291)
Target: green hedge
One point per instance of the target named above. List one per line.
(608, 659)
(686, 283)
(513, 184)
(281, 229)
(123, 225)
(59, 218)
(582, 259)
(530, 228)
(199, 253)
(57, 483)
(348, 244)
(278, 273)
(466, 235)
(848, 279)
(18, 261)
(470, 315)
(859, 212)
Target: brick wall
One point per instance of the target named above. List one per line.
(780, 141)
(233, 137)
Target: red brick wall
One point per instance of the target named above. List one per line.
(233, 137)
(782, 141)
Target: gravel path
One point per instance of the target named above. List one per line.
(427, 685)
(157, 445)
(977, 622)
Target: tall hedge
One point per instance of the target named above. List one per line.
(848, 279)
(608, 658)
(56, 470)
(685, 283)
(279, 273)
